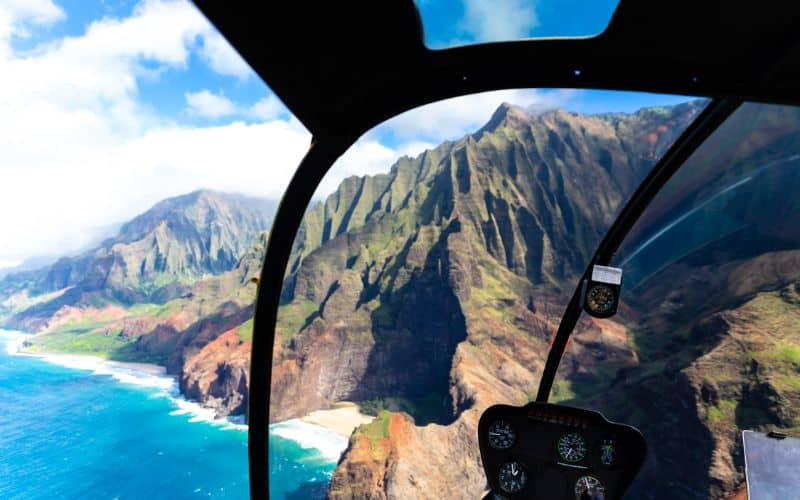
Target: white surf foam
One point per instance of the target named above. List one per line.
(164, 384)
(154, 378)
(14, 340)
(310, 436)
(149, 376)
(199, 413)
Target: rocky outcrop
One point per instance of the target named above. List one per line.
(218, 375)
(396, 461)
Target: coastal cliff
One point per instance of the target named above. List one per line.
(175, 287)
(431, 292)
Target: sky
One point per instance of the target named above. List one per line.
(109, 106)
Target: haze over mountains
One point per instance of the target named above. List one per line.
(153, 258)
(172, 281)
(432, 291)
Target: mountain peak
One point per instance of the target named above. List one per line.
(506, 114)
(177, 241)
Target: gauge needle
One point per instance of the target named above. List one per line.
(514, 469)
(586, 482)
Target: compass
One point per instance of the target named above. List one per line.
(600, 294)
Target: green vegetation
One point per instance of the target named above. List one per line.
(371, 407)
(376, 431)
(789, 353)
(147, 309)
(429, 408)
(787, 383)
(245, 331)
(107, 345)
(722, 413)
(561, 391)
(292, 316)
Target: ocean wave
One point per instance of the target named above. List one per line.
(138, 374)
(310, 436)
(199, 413)
(14, 340)
(118, 371)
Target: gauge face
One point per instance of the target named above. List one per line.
(513, 477)
(589, 487)
(600, 299)
(501, 435)
(607, 452)
(572, 447)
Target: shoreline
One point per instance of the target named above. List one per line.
(343, 419)
(327, 431)
(128, 373)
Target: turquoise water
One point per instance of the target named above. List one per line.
(71, 433)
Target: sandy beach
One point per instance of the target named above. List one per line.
(342, 420)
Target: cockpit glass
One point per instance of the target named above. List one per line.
(734, 193)
(430, 273)
(449, 23)
(706, 342)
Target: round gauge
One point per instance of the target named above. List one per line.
(501, 435)
(513, 477)
(607, 452)
(572, 447)
(588, 487)
(600, 299)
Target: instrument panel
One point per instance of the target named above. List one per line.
(551, 452)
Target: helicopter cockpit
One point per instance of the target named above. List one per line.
(556, 302)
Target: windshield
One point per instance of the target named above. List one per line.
(707, 334)
(431, 272)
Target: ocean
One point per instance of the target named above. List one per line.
(77, 428)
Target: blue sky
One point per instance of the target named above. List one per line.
(457, 22)
(107, 107)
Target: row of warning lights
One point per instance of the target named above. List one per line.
(559, 419)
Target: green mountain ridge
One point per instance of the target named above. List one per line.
(154, 258)
(434, 291)
(406, 264)
(198, 324)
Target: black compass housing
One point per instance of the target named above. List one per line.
(600, 294)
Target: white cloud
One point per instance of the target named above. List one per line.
(497, 20)
(209, 104)
(16, 15)
(453, 118)
(366, 157)
(223, 58)
(267, 108)
(5, 264)
(79, 151)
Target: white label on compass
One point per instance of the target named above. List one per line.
(607, 275)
